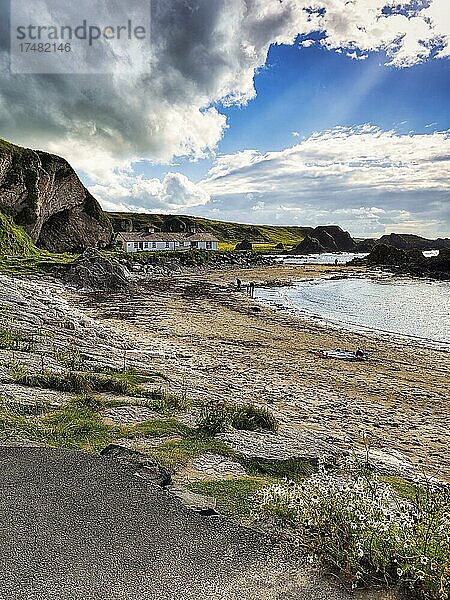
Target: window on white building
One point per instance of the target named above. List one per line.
(167, 244)
(153, 244)
(208, 245)
(136, 245)
(145, 244)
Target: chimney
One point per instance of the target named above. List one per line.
(148, 230)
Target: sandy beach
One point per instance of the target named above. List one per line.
(214, 342)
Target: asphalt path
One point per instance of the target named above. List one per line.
(81, 527)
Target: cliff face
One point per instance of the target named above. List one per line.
(328, 238)
(45, 196)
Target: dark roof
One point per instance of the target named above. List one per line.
(143, 236)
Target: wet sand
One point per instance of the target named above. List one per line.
(213, 342)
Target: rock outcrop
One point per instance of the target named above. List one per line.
(45, 196)
(328, 238)
(309, 245)
(383, 254)
(244, 245)
(92, 271)
(412, 262)
(331, 238)
(407, 241)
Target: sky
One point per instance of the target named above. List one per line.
(302, 112)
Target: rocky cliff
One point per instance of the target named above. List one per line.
(45, 196)
(331, 238)
(328, 238)
(404, 241)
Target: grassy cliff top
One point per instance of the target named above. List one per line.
(227, 233)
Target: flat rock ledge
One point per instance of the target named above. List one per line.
(129, 415)
(211, 466)
(312, 447)
(205, 505)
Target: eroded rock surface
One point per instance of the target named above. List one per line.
(92, 271)
(141, 465)
(46, 197)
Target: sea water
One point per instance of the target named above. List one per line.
(412, 309)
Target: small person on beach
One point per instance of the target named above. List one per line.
(359, 354)
(238, 284)
(251, 289)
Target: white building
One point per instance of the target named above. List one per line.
(148, 241)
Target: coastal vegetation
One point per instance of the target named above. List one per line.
(371, 531)
(20, 256)
(359, 527)
(217, 416)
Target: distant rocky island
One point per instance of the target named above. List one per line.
(331, 238)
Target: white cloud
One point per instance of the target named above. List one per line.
(207, 51)
(368, 180)
(174, 193)
(203, 51)
(355, 56)
(362, 157)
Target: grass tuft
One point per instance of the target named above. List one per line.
(217, 416)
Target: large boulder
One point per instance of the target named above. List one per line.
(389, 256)
(309, 245)
(45, 196)
(244, 245)
(92, 271)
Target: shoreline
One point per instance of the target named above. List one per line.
(382, 335)
(199, 328)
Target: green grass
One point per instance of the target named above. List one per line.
(77, 425)
(74, 427)
(404, 488)
(14, 241)
(234, 496)
(19, 255)
(176, 454)
(80, 382)
(11, 340)
(229, 234)
(68, 427)
(217, 416)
